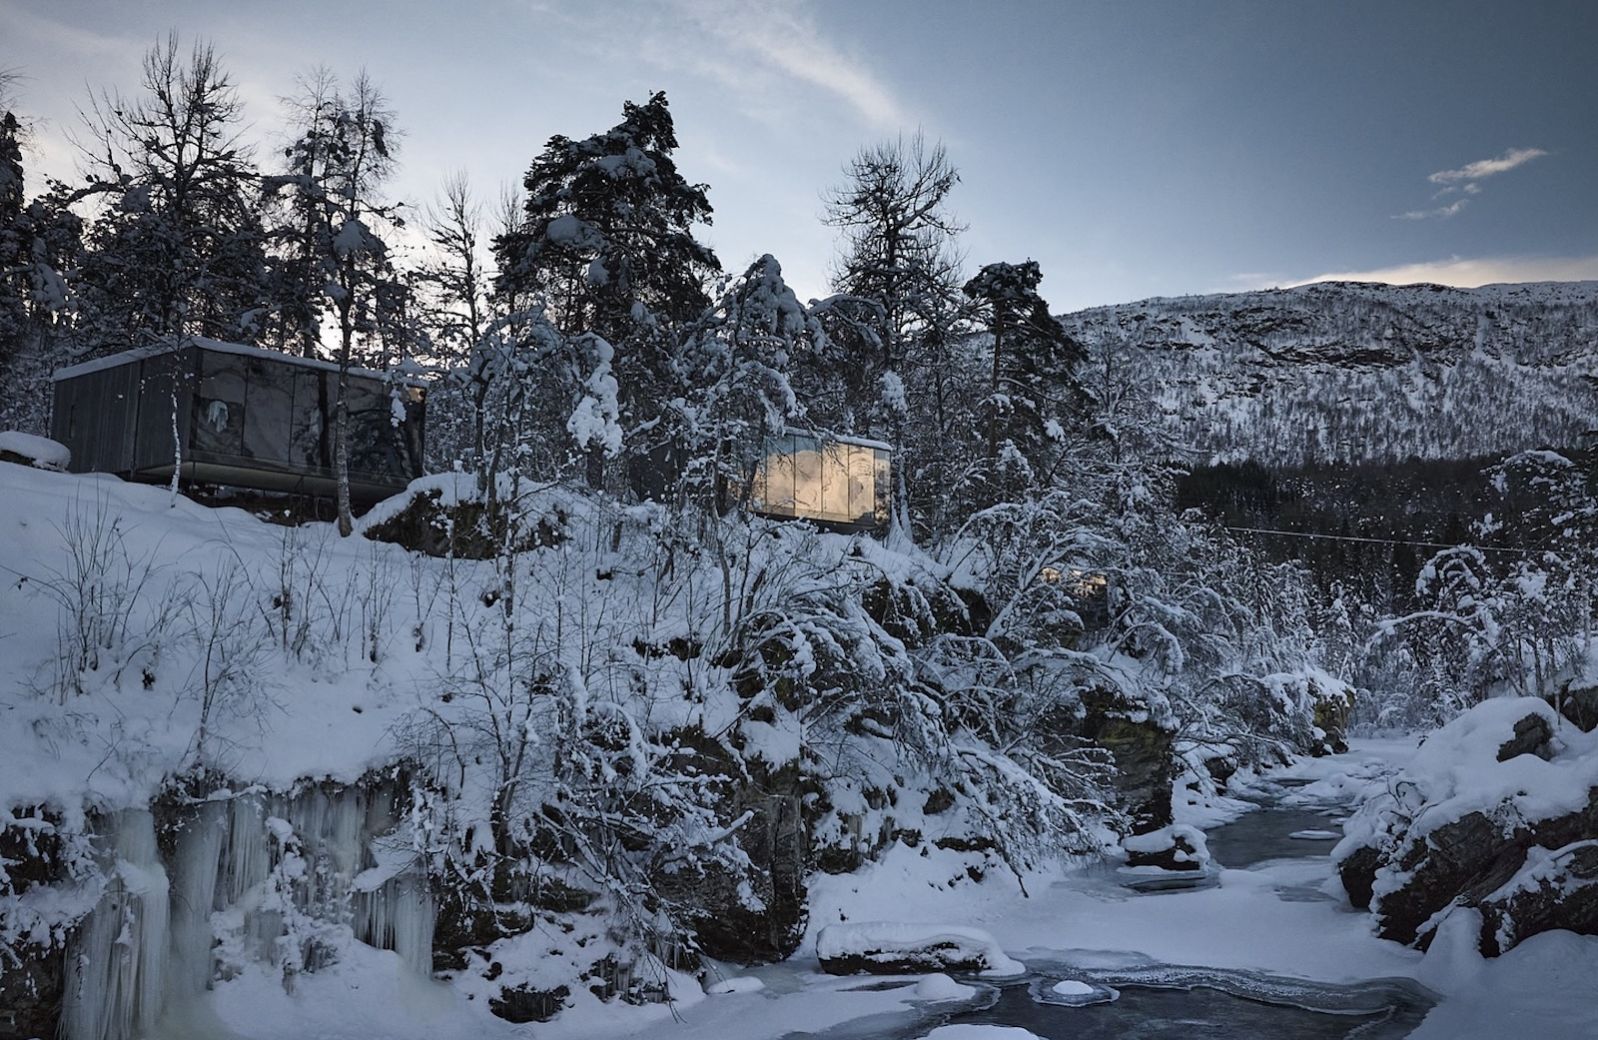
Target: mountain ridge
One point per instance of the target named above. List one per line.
(1358, 371)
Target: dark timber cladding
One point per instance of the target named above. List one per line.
(239, 416)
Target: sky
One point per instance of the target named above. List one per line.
(1134, 149)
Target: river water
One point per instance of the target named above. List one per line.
(1165, 1002)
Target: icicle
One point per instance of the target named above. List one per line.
(248, 856)
(400, 916)
(195, 869)
(300, 871)
(117, 965)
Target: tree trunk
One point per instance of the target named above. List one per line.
(993, 387)
(341, 450)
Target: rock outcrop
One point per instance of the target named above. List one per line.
(1497, 817)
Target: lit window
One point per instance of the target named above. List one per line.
(838, 481)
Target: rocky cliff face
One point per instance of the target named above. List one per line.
(1351, 372)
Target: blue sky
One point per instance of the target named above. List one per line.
(1133, 148)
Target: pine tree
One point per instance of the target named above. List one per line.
(1034, 392)
(606, 245)
(40, 240)
(13, 247)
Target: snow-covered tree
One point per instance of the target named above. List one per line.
(897, 262)
(40, 242)
(334, 239)
(606, 247)
(176, 244)
(734, 368)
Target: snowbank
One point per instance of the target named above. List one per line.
(882, 947)
(38, 451)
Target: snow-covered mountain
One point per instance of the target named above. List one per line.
(1354, 371)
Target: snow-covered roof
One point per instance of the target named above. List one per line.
(838, 438)
(220, 347)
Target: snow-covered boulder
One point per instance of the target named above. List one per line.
(1470, 824)
(1555, 888)
(28, 450)
(887, 948)
(1073, 993)
(1176, 847)
(940, 987)
(452, 514)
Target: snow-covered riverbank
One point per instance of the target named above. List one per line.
(1280, 917)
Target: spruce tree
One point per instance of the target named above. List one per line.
(1034, 393)
(606, 245)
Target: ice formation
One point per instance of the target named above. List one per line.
(279, 880)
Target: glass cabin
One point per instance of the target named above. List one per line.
(838, 482)
(222, 413)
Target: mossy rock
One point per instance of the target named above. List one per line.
(1332, 711)
(1143, 749)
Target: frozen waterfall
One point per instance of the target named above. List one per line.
(242, 881)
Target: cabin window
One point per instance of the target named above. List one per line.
(219, 406)
(268, 408)
(837, 481)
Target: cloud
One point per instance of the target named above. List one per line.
(1464, 182)
(786, 42)
(1445, 212)
(1488, 167)
(1467, 273)
(51, 32)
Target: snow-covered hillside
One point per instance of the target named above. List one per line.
(1351, 371)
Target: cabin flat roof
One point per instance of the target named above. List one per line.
(220, 347)
(839, 438)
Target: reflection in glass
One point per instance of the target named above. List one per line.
(219, 406)
(268, 408)
(310, 447)
(837, 481)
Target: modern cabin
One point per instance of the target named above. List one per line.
(227, 414)
(842, 483)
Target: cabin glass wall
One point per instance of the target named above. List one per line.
(834, 482)
(774, 478)
(268, 410)
(310, 440)
(219, 405)
(371, 430)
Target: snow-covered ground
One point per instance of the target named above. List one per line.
(124, 739)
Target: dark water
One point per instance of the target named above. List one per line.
(1172, 1003)
(1266, 833)
(1200, 1013)
(1163, 1002)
